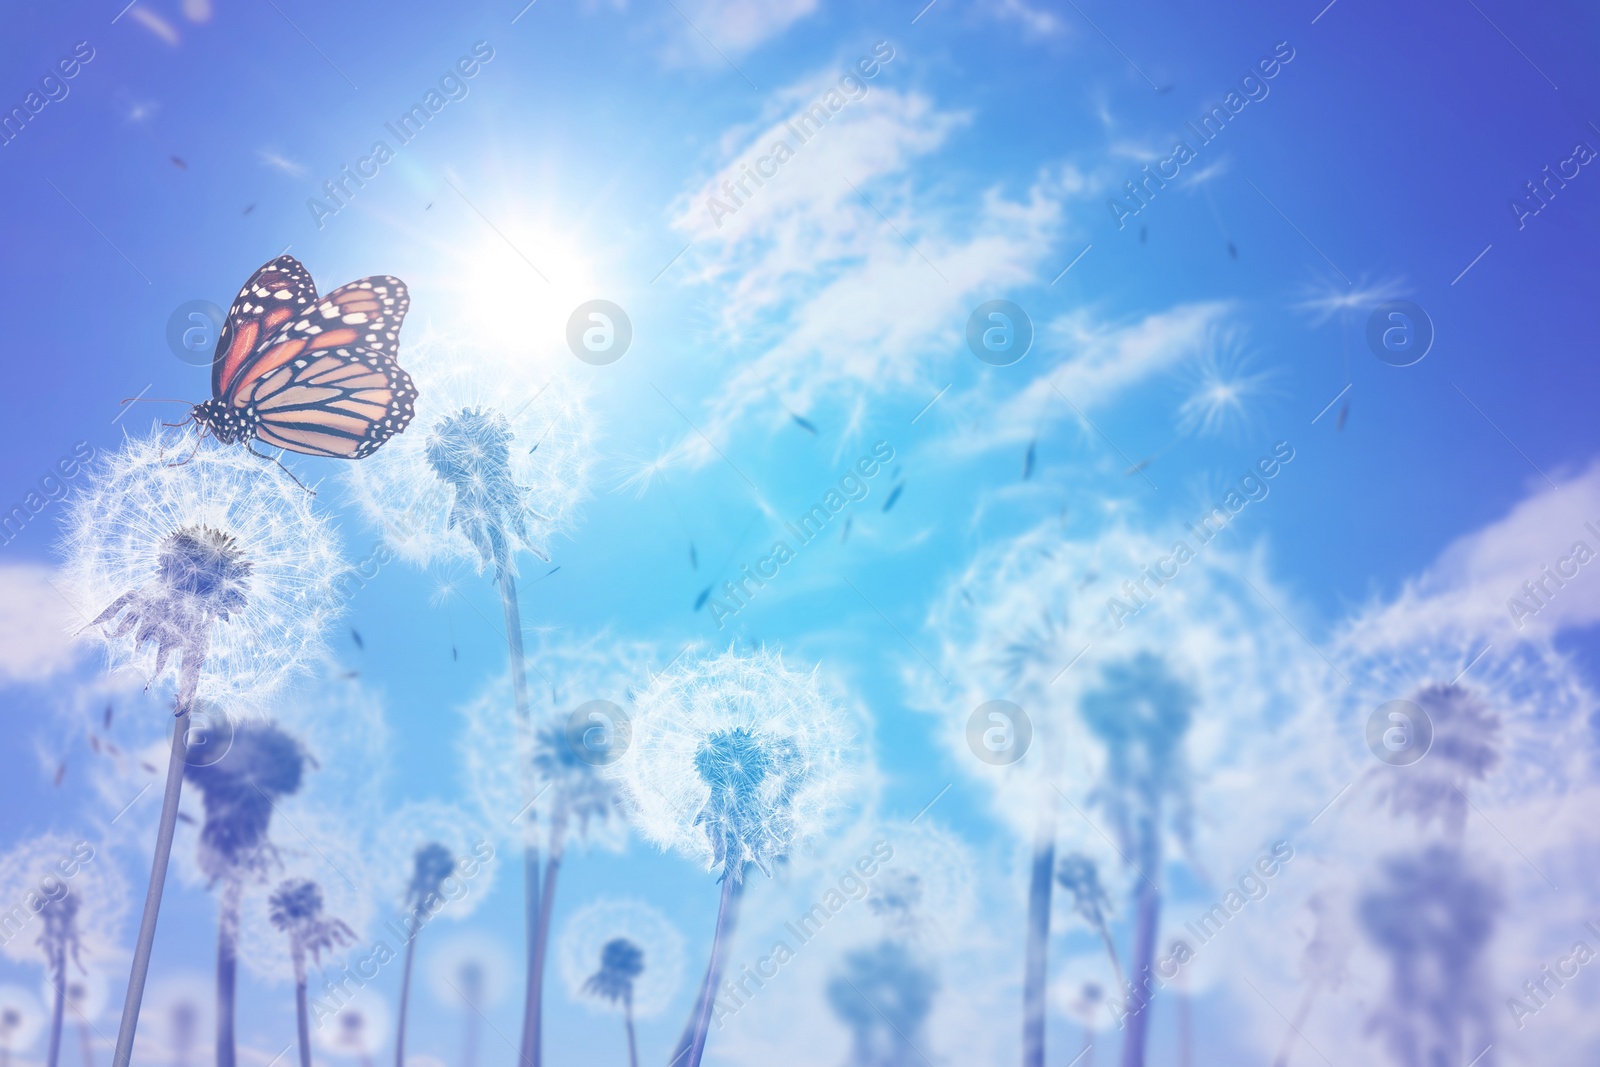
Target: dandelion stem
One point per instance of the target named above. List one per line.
(627, 1021)
(158, 871)
(531, 1041)
(58, 968)
(541, 941)
(687, 1039)
(85, 1042)
(405, 1000)
(227, 970)
(1144, 939)
(714, 971)
(1036, 958)
(1111, 951)
(1300, 1015)
(302, 1025)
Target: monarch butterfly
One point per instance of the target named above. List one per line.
(313, 375)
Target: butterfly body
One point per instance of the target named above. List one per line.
(315, 375)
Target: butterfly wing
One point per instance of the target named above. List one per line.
(341, 402)
(277, 293)
(328, 382)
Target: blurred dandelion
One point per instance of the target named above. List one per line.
(563, 773)
(85, 999)
(924, 895)
(296, 909)
(1432, 914)
(430, 866)
(179, 1017)
(1086, 1006)
(219, 560)
(498, 469)
(1329, 298)
(884, 995)
(21, 1019)
(1079, 875)
(1141, 713)
(736, 760)
(591, 928)
(1323, 963)
(241, 790)
(621, 963)
(79, 900)
(475, 972)
(1466, 747)
(355, 1030)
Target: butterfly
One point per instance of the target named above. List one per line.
(315, 375)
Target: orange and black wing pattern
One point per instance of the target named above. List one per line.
(327, 381)
(277, 293)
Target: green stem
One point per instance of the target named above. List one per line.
(158, 880)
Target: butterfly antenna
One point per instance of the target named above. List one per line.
(197, 439)
(155, 400)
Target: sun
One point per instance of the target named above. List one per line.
(516, 284)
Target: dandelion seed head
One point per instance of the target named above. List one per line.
(508, 763)
(83, 913)
(736, 759)
(310, 845)
(220, 557)
(499, 449)
(262, 765)
(648, 941)
(178, 1018)
(924, 893)
(296, 908)
(422, 848)
(88, 992)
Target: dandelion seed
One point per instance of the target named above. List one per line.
(1221, 385)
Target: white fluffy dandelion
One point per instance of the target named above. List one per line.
(736, 760)
(498, 450)
(215, 573)
(213, 568)
(21, 1020)
(66, 902)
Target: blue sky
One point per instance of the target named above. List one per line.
(772, 351)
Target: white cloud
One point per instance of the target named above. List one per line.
(839, 272)
(1099, 362)
(35, 625)
(713, 30)
(1478, 580)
